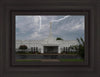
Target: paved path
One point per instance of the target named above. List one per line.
(50, 60)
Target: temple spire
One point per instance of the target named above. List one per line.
(50, 34)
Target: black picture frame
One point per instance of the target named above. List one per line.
(7, 32)
(12, 41)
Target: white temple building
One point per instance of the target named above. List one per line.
(48, 45)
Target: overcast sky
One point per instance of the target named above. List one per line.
(35, 27)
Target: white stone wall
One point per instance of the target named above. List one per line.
(41, 43)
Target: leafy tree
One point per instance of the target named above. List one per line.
(23, 47)
(58, 38)
(81, 46)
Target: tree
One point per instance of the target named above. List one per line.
(80, 47)
(23, 47)
(58, 38)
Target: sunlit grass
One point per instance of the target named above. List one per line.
(77, 60)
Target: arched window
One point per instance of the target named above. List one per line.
(32, 48)
(39, 49)
(61, 49)
(36, 48)
(66, 49)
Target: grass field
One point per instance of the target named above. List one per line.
(63, 60)
(60, 60)
(27, 60)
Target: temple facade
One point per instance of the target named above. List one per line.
(48, 45)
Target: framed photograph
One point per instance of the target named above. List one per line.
(55, 38)
(44, 40)
(50, 37)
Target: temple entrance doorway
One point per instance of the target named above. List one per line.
(51, 49)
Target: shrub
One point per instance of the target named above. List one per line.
(58, 38)
(21, 52)
(63, 52)
(23, 47)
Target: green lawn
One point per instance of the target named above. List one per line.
(61, 60)
(78, 60)
(27, 60)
